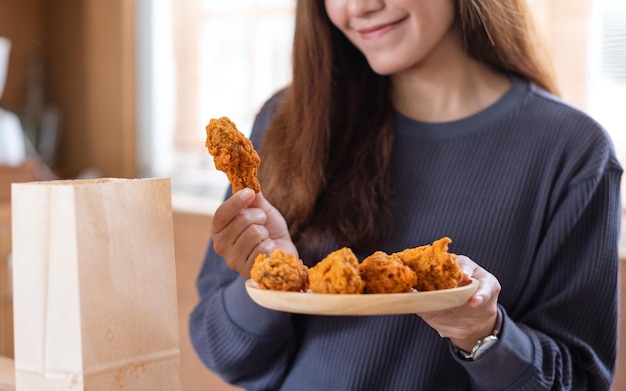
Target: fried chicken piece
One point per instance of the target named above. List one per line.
(383, 273)
(338, 272)
(279, 271)
(434, 266)
(412, 256)
(233, 153)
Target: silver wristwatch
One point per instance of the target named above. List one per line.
(483, 345)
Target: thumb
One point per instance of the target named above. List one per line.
(467, 266)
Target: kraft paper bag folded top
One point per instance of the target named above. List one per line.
(94, 286)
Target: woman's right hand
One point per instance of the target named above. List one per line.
(245, 226)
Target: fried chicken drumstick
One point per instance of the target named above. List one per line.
(233, 153)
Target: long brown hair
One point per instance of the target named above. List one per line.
(326, 157)
(502, 33)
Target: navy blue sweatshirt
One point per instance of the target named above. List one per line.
(528, 189)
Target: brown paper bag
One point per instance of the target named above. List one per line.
(95, 286)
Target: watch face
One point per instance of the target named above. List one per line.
(485, 346)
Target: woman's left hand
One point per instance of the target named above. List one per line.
(474, 320)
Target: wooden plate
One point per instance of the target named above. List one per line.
(364, 304)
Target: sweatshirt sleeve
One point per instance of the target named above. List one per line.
(234, 336)
(563, 334)
(244, 343)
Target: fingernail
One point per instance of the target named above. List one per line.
(246, 194)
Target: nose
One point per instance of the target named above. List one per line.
(363, 7)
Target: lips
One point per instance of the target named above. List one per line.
(377, 30)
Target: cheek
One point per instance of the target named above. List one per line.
(336, 11)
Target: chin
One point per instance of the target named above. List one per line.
(385, 70)
(386, 67)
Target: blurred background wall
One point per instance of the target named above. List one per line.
(77, 57)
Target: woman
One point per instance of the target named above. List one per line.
(407, 121)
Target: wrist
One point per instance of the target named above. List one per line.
(472, 349)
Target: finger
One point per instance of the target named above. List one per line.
(467, 266)
(228, 210)
(244, 219)
(488, 291)
(266, 246)
(225, 241)
(261, 202)
(251, 237)
(488, 285)
(276, 223)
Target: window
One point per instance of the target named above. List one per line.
(607, 76)
(201, 59)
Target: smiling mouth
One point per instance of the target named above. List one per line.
(376, 31)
